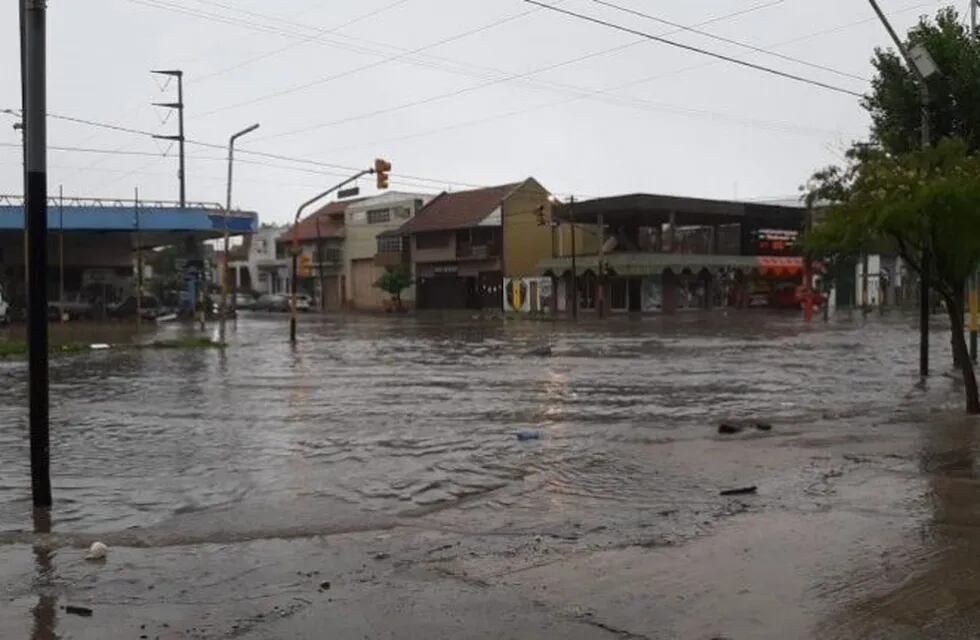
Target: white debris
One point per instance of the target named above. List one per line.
(97, 551)
(98, 346)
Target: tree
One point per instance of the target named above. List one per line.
(894, 102)
(925, 204)
(393, 281)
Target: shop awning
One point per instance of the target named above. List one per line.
(779, 265)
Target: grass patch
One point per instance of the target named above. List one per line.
(17, 349)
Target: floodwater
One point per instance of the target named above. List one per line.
(373, 423)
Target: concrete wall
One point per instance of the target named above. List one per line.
(361, 241)
(525, 242)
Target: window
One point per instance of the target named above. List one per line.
(389, 244)
(403, 213)
(379, 216)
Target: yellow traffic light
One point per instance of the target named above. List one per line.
(381, 169)
(305, 266)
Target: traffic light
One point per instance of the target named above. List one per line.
(381, 169)
(305, 266)
(539, 214)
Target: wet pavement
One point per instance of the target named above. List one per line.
(381, 455)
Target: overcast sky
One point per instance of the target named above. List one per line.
(456, 92)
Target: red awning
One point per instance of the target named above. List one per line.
(779, 265)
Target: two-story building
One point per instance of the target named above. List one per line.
(462, 245)
(669, 253)
(321, 265)
(254, 265)
(365, 221)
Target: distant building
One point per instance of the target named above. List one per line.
(667, 253)
(462, 245)
(321, 266)
(255, 266)
(365, 221)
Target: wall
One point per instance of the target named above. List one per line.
(525, 242)
(361, 240)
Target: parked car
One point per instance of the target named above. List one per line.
(73, 308)
(150, 308)
(245, 301)
(272, 302)
(304, 302)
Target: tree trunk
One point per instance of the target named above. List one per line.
(959, 357)
(961, 354)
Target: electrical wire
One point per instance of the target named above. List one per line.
(296, 43)
(750, 47)
(693, 49)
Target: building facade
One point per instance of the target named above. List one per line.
(320, 267)
(365, 221)
(255, 266)
(458, 244)
(668, 253)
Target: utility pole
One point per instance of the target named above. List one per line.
(571, 215)
(139, 259)
(224, 260)
(921, 65)
(61, 254)
(34, 94)
(179, 106)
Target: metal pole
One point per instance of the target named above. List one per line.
(926, 143)
(601, 280)
(974, 304)
(571, 215)
(61, 254)
(180, 126)
(319, 261)
(139, 259)
(224, 266)
(36, 222)
(973, 15)
(295, 245)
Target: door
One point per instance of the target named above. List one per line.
(364, 295)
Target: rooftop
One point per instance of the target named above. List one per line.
(458, 210)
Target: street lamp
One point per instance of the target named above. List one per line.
(224, 270)
(923, 67)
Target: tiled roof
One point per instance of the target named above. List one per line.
(331, 217)
(458, 210)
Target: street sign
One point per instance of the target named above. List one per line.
(348, 193)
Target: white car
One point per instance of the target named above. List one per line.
(4, 308)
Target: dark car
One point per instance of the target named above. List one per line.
(150, 308)
(272, 302)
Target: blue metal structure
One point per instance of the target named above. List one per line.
(101, 215)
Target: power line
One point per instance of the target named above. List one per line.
(687, 47)
(737, 43)
(322, 80)
(401, 177)
(319, 32)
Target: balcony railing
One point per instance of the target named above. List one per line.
(477, 251)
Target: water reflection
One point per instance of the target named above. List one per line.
(45, 612)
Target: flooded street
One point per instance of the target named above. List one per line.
(382, 455)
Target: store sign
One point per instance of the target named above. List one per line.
(442, 269)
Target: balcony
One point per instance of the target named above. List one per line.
(477, 251)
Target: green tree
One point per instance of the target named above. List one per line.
(393, 281)
(923, 204)
(894, 102)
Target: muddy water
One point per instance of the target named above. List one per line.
(370, 419)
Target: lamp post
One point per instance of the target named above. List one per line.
(922, 66)
(224, 266)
